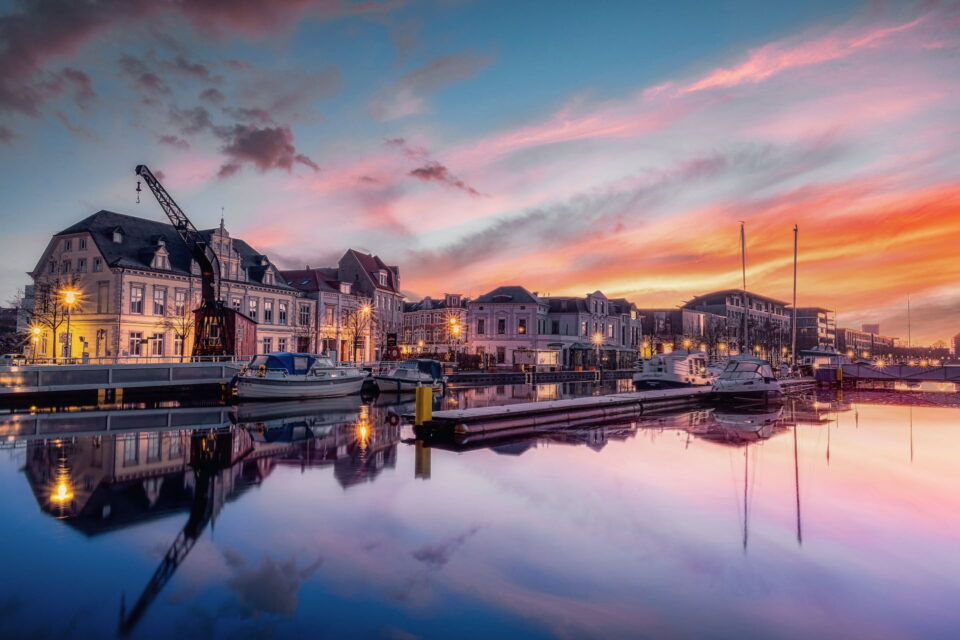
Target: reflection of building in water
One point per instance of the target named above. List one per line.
(358, 451)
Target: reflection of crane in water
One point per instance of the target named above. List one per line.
(210, 454)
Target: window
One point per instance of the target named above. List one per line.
(156, 344)
(178, 345)
(610, 330)
(159, 301)
(252, 308)
(522, 326)
(282, 313)
(65, 266)
(97, 264)
(103, 297)
(136, 299)
(180, 302)
(82, 265)
(304, 315)
(67, 245)
(53, 267)
(136, 343)
(267, 345)
(501, 326)
(501, 355)
(118, 236)
(267, 277)
(555, 328)
(82, 244)
(130, 448)
(153, 446)
(281, 344)
(268, 311)
(584, 328)
(174, 445)
(161, 261)
(328, 315)
(236, 302)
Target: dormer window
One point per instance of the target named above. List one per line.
(382, 277)
(118, 235)
(268, 277)
(161, 261)
(345, 287)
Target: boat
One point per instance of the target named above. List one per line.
(682, 368)
(410, 374)
(296, 375)
(747, 380)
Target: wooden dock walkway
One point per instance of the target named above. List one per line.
(595, 409)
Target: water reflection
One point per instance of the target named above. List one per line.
(333, 504)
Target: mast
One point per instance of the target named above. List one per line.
(793, 324)
(743, 269)
(909, 338)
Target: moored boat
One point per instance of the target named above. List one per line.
(410, 374)
(296, 375)
(672, 370)
(747, 380)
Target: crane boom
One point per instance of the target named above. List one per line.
(211, 334)
(199, 248)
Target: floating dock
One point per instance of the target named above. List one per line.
(498, 421)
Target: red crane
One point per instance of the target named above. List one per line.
(212, 321)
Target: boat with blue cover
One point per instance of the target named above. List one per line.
(296, 375)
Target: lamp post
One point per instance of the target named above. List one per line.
(597, 341)
(35, 338)
(70, 298)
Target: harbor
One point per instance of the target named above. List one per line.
(147, 503)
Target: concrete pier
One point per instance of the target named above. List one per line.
(500, 420)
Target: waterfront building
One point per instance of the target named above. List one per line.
(956, 346)
(680, 328)
(816, 327)
(435, 325)
(135, 287)
(370, 277)
(863, 344)
(768, 319)
(340, 321)
(509, 323)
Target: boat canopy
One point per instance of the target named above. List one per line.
(292, 363)
(744, 369)
(430, 367)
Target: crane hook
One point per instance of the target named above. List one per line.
(138, 192)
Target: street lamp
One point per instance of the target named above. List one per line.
(597, 341)
(70, 298)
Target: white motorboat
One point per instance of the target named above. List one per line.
(747, 380)
(410, 374)
(296, 375)
(672, 370)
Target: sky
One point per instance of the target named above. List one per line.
(564, 146)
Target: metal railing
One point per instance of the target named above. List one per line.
(117, 360)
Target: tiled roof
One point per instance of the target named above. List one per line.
(724, 292)
(372, 264)
(508, 294)
(140, 241)
(317, 279)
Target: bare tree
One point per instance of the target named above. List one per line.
(182, 322)
(49, 310)
(357, 323)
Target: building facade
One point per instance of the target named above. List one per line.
(435, 325)
(680, 328)
(815, 328)
(135, 288)
(370, 277)
(768, 320)
(861, 344)
(509, 322)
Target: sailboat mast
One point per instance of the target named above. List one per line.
(909, 337)
(793, 324)
(743, 269)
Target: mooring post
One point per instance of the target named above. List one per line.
(424, 407)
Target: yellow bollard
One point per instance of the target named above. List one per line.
(424, 410)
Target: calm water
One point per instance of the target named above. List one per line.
(837, 517)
